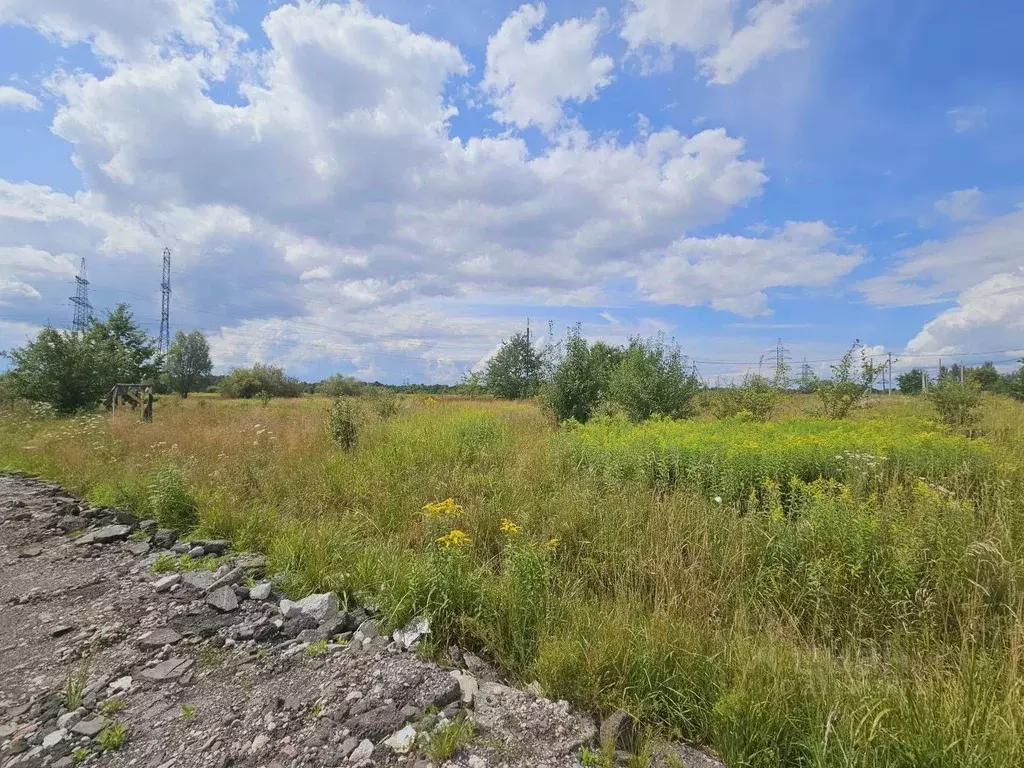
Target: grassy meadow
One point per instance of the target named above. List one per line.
(796, 593)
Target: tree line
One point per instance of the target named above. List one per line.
(74, 371)
(576, 378)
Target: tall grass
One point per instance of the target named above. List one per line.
(814, 617)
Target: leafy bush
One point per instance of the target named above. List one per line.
(73, 371)
(581, 377)
(385, 402)
(755, 399)
(340, 386)
(651, 379)
(957, 403)
(247, 383)
(847, 387)
(344, 423)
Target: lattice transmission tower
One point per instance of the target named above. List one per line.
(164, 343)
(83, 309)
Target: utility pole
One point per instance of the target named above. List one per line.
(924, 380)
(164, 343)
(83, 309)
(961, 373)
(890, 374)
(527, 331)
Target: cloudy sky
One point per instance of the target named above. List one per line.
(391, 187)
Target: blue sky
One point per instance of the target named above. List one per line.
(390, 188)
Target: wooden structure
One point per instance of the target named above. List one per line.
(132, 395)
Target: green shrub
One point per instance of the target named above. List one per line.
(344, 423)
(652, 379)
(755, 399)
(385, 402)
(848, 386)
(957, 403)
(340, 386)
(247, 383)
(581, 377)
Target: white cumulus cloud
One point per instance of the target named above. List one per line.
(14, 98)
(731, 272)
(707, 29)
(529, 81)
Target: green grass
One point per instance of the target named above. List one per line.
(825, 613)
(729, 459)
(449, 739)
(113, 736)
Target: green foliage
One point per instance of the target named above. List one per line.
(1014, 382)
(652, 379)
(188, 711)
(581, 377)
(473, 384)
(755, 400)
(340, 386)
(731, 459)
(448, 739)
(7, 392)
(74, 371)
(848, 385)
(112, 706)
(912, 382)
(81, 754)
(188, 362)
(516, 369)
(170, 502)
(384, 401)
(316, 648)
(986, 377)
(344, 423)
(957, 403)
(128, 354)
(113, 736)
(247, 383)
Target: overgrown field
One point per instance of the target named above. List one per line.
(801, 593)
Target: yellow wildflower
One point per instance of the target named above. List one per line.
(446, 508)
(454, 538)
(507, 526)
(553, 543)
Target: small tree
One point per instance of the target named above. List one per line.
(957, 403)
(128, 353)
(848, 385)
(188, 362)
(515, 371)
(576, 387)
(340, 386)
(74, 371)
(1014, 382)
(651, 379)
(473, 384)
(987, 377)
(61, 368)
(912, 382)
